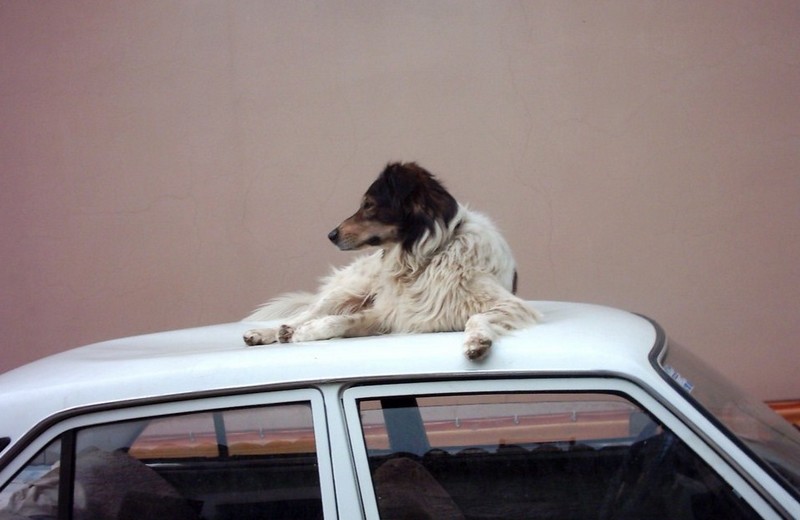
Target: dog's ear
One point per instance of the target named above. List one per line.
(401, 179)
(430, 196)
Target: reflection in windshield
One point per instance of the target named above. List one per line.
(767, 434)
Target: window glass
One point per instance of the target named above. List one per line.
(535, 455)
(15, 497)
(247, 463)
(271, 430)
(769, 436)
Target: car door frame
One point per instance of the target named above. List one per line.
(612, 385)
(187, 404)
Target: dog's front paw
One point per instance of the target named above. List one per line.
(477, 346)
(259, 337)
(285, 334)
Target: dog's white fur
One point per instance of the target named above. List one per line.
(456, 277)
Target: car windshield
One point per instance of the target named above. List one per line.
(768, 435)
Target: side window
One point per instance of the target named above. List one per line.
(534, 455)
(247, 463)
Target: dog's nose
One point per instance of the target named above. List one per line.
(333, 236)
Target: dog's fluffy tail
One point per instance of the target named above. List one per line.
(282, 307)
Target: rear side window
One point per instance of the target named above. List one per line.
(243, 463)
(534, 455)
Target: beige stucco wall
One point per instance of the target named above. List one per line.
(169, 164)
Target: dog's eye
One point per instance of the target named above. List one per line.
(367, 205)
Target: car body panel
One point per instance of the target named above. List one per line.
(573, 338)
(578, 347)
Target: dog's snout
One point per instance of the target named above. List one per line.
(333, 236)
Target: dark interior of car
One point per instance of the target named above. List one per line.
(656, 478)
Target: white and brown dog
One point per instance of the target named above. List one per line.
(440, 267)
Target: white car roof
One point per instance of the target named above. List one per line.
(573, 338)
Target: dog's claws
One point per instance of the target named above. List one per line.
(252, 338)
(477, 347)
(285, 334)
(257, 337)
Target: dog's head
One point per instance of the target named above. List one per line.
(402, 204)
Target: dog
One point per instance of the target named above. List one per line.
(440, 267)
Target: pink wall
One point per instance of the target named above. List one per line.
(170, 164)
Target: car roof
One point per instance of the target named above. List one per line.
(573, 338)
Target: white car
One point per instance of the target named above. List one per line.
(592, 414)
